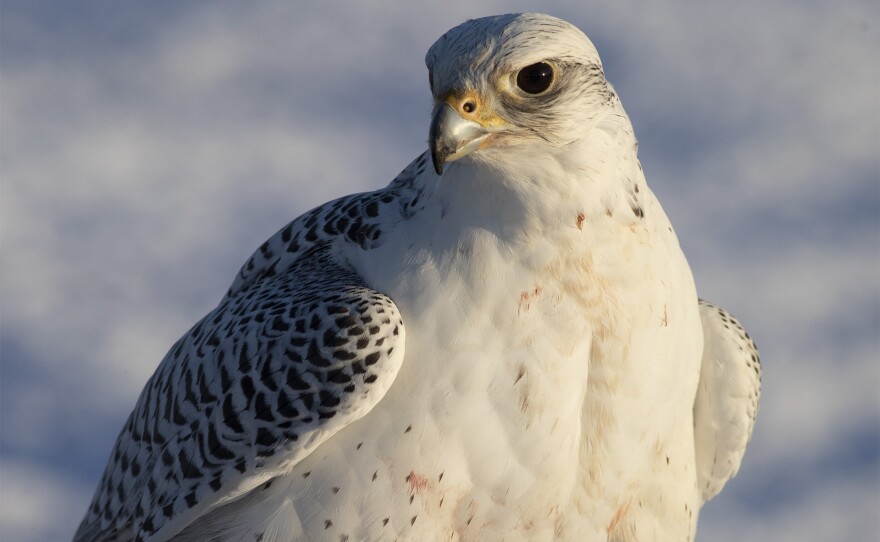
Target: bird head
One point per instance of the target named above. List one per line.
(508, 81)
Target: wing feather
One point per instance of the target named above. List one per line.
(298, 348)
(727, 399)
(246, 394)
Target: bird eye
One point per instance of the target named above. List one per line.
(536, 78)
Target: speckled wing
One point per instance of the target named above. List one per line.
(299, 348)
(727, 398)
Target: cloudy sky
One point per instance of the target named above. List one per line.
(148, 148)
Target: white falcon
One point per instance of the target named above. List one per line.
(505, 343)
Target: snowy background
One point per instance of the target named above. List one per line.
(149, 147)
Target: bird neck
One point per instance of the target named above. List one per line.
(515, 191)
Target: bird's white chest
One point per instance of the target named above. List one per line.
(493, 340)
(526, 398)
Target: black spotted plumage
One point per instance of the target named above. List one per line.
(289, 351)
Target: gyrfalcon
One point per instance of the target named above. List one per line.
(505, 343)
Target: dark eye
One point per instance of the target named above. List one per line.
(536, 78)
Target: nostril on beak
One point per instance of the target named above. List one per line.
(469, 107)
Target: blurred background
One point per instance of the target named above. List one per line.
(149, 147)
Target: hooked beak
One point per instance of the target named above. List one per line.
(451, 136)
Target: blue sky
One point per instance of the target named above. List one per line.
(147, 149)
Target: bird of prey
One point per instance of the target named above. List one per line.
(505, 343)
